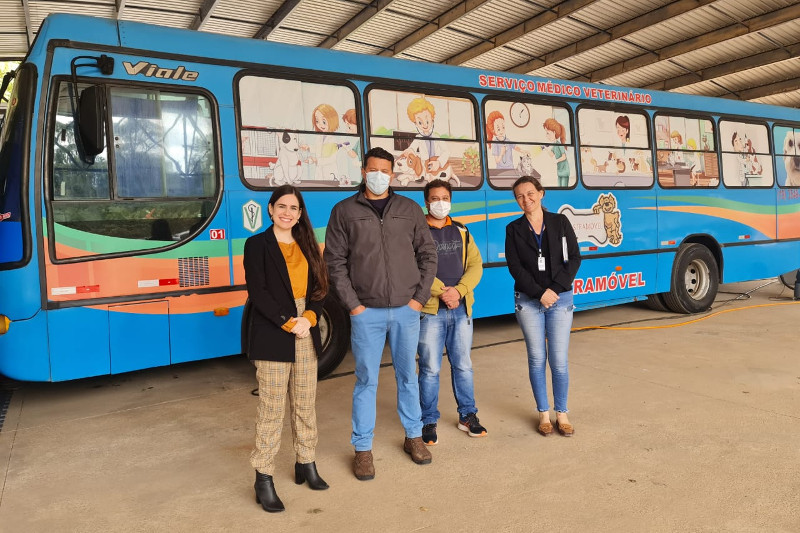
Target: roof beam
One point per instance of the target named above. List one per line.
(28, 28)
(751, 25)
(731, 67)
(783, 86)
(449, 16)
(119, 8)
(275, 20)
(363, 16)
(203, 15)
(617, 32)
(549, 16)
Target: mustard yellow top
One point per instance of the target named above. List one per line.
(297, 265)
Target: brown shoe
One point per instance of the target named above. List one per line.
(565, 429)
(363, 467)
(418, 451)
(545, 428)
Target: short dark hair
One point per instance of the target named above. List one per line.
(380, 153)
(433, 184)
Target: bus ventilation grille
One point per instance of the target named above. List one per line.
(193, 271)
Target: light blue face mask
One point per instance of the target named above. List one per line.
(377, 182)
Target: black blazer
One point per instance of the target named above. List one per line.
(270, 294)
(522, 255)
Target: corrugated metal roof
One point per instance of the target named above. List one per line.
(382, 30)
(500, 58)
(442, 44)
(551, 37)
(254, 12)
(484, 21)
(622, 43)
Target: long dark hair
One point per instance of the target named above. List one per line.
(303, 233)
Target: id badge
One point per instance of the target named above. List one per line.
(541, 263)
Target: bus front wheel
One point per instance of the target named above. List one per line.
(695, 279)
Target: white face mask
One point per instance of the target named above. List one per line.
(377, 182)
(439, 209)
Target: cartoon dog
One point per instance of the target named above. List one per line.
(409, 168)
(792, 164)
(442, 173)
(607, 205)
(287, 169)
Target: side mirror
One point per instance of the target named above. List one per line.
(92, 122)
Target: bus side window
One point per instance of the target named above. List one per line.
(431, 136)
(305, 134)
(746, 158)
(525, 139)
(686, 152)
(615, 148)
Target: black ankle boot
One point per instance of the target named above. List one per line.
(266, 495)
(308, 472)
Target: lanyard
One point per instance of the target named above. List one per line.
(537, 237)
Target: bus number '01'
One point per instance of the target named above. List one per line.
(217, 234)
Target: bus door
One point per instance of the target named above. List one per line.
(744, 214)
(787, 171)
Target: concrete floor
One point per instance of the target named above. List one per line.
(691, 428)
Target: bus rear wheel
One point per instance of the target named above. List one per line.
(695, 280)
(334, 329)
(656, 302)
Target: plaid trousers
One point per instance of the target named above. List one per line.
(275, 380)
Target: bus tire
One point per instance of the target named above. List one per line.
(695, 280)
(656, 302)
(334, 329)
(789, 278)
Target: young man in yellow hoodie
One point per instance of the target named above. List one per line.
(447, 316)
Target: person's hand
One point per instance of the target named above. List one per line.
(357, 310)
(415, 305)
(301, 327)
(451, 297)
(548, 298)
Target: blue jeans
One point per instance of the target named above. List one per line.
(546, 333)
(451, 329)
(368, 337)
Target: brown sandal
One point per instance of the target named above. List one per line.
(565, 429)
(545, 428)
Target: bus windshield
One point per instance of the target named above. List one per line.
(13, 142)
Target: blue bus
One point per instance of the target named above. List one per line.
(135, 160)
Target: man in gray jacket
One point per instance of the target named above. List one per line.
(382, 261)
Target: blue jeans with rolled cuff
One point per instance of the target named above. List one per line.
(546, 333)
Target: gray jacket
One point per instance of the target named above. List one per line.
(379, 262)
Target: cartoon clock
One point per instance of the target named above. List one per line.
(520, 115)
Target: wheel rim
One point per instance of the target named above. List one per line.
(324, 330)
(697, 279)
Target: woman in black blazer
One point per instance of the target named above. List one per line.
(543, 257)
(287, 282)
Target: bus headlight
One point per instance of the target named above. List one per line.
(4, 324)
